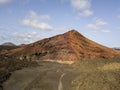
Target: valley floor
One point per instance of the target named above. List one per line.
(85, 75)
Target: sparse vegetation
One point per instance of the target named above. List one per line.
(99, 74)
(10, 64)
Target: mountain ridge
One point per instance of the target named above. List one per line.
(68, 46)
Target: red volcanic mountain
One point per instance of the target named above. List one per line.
(68, 46)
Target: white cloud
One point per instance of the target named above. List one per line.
(86, 13)
(34, 15)
(97, 25)
(10, 34)
(36, 24)
(82, 7)
(80, 4)
(4, 1)
(25, 38)
(37, 21)
(45, 17)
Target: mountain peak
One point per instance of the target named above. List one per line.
(68, 46)
(73, 31)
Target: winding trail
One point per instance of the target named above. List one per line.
(47, 76)
(60, 86)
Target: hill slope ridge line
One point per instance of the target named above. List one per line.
(68, 46)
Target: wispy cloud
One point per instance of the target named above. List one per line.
(13, 35)
(98, 25)
(82, 7)
(4, 1)
(86, 13)
(25, 38)
(80, 4)
(37, 21)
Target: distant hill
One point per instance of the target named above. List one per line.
(5, 47)
(68, 46)
(116, 48)
(22, 44)
(8, 44)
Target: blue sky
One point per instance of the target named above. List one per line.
(26, 21)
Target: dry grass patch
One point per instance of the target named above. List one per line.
(111, 66)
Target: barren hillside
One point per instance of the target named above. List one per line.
(68, 46)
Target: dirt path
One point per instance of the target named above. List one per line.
(54, 76)
(60, 86)
(47, 76)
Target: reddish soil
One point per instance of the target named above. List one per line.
(68, 46)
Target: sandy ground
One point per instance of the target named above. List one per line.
(98, 75)
(47, 76)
